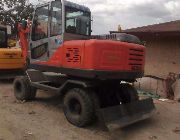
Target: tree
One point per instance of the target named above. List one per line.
(14, 10)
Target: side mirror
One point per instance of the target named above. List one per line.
(24, 24)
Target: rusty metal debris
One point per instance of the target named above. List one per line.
(177, 130)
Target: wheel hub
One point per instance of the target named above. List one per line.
(75, 107)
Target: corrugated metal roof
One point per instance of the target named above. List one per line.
(173, 26)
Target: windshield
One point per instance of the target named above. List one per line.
(40, 23)
(77, 21)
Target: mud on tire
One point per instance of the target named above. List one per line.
(78, 107)
(23, 90)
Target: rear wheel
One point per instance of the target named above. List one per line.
(127, 93)
(23, 90)
(79, 107)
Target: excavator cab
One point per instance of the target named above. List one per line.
(11, 62)
(56, 22)
(3, 37)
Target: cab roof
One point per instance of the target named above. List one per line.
(70, 4)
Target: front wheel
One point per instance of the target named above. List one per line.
(78, 107)
(23, 90)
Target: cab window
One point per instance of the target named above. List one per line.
(77, 21)
(56, 18)
(3, 39)
(2, 36)
(40, 23)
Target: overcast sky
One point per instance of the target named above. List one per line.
(108, 14)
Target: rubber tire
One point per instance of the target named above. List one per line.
(23, 90)
(127, 93)
(87, 113)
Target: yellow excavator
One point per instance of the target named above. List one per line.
(11, 59)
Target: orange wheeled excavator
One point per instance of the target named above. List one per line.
(92, 73)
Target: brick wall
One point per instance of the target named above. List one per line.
(162, 57)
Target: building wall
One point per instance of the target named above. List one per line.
(162, 56)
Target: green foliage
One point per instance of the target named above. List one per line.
(14, 10)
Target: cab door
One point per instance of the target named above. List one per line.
(56, 36)
(46, 34)
(39, 38)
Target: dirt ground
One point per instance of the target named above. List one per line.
(43, 119)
